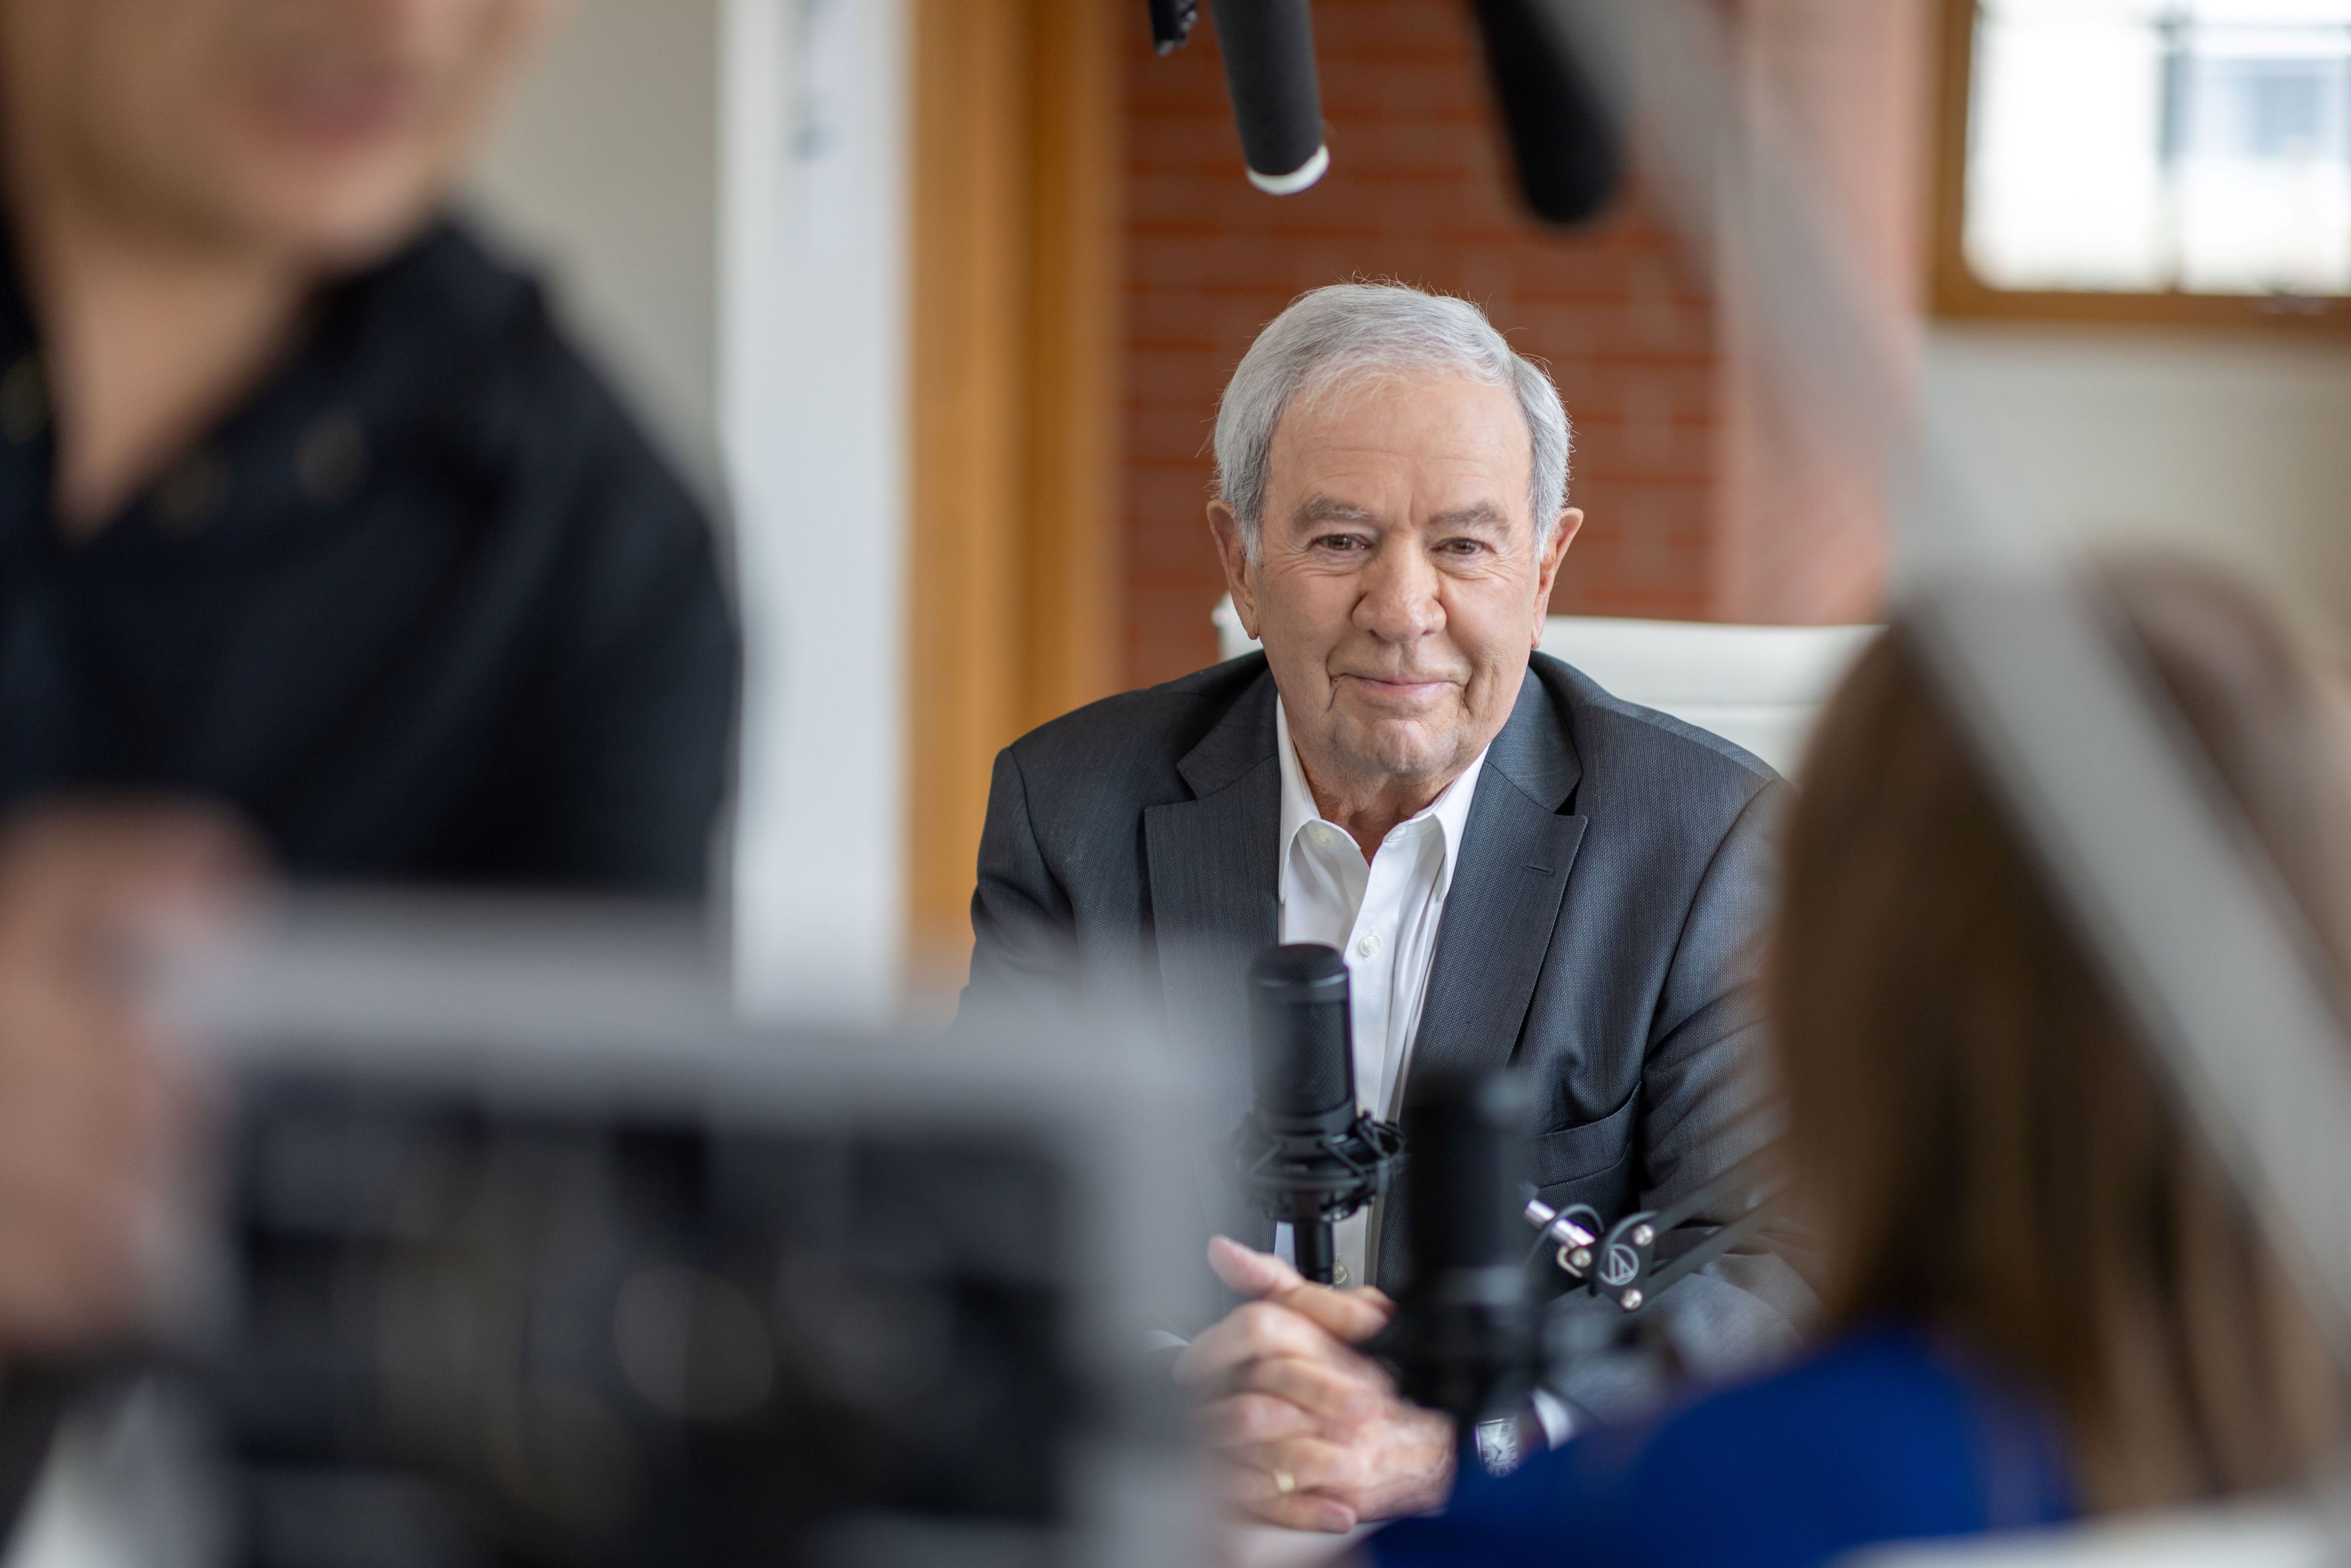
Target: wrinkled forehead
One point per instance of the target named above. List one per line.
(1340, 387)
(1383, 427)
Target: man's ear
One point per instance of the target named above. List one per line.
(1232, 551)
(1563, 534)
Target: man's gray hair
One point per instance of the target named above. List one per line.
(1350, 330)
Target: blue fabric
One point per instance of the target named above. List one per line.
(1878, 1436)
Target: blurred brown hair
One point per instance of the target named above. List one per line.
(1981, 1137)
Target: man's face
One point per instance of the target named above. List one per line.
(324, 129)
(1398, 588)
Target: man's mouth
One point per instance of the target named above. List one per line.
(1402, 691)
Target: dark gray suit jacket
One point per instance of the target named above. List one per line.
(1599, 935)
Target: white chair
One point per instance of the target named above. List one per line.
(1760, 686)
(2261, 1534)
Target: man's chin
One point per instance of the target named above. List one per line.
(1402, 749)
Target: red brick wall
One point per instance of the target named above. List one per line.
(1417, 190)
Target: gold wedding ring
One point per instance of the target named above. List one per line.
(1284, 1482)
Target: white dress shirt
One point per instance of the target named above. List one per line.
(1381, 915)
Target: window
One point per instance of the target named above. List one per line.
(2157, 160)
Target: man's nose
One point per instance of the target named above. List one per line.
(1400, 600)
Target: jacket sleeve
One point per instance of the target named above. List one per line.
(1703, 1108)
(1022, 924)
(616, 760)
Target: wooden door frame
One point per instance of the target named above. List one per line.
(1013, 585)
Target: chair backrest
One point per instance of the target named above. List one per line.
(1760, 686)
(2271, 1534)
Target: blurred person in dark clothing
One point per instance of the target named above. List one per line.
(316, 535)
(2045, 1296)
(306, 508)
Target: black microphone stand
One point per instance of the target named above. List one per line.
(1464, 1339)
(1310, 1181)
(1621, 1266)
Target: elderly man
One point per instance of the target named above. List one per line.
(1519, 868)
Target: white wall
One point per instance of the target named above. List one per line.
(603, 172)
(813, 411)
(716, 189)
(2230, 447)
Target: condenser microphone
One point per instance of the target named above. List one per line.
(1269, 48)
(1565, 144)
(1301, 1040)
(1463, 1339)
(1306, 1155)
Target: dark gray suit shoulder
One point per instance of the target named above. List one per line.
(1628, 750)
(1125, 748)
(1138, 733)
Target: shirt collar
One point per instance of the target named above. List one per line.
(1450, 811)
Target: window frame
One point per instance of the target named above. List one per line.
(1958, 294)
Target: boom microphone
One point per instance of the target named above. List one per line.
(1565, 140)
(1307, 1156)
(1268, 47)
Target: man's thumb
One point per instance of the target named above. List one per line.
(1251, 1272)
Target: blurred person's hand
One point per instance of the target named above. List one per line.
(94, 1107)
(1312, 1432)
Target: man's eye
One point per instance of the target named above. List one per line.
(1463, 546)
(1340, 542)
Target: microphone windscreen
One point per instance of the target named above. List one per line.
(1300, 1042)
(1564, 141)
(1467, 1137)
(1269, 48)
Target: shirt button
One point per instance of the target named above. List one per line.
(1325, 834)
(1368, 942)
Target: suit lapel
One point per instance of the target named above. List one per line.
(1215, 892)
(1503, 906)
(1216, 900)
(1215, 904)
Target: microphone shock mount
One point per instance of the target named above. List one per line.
(1312, 1180)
